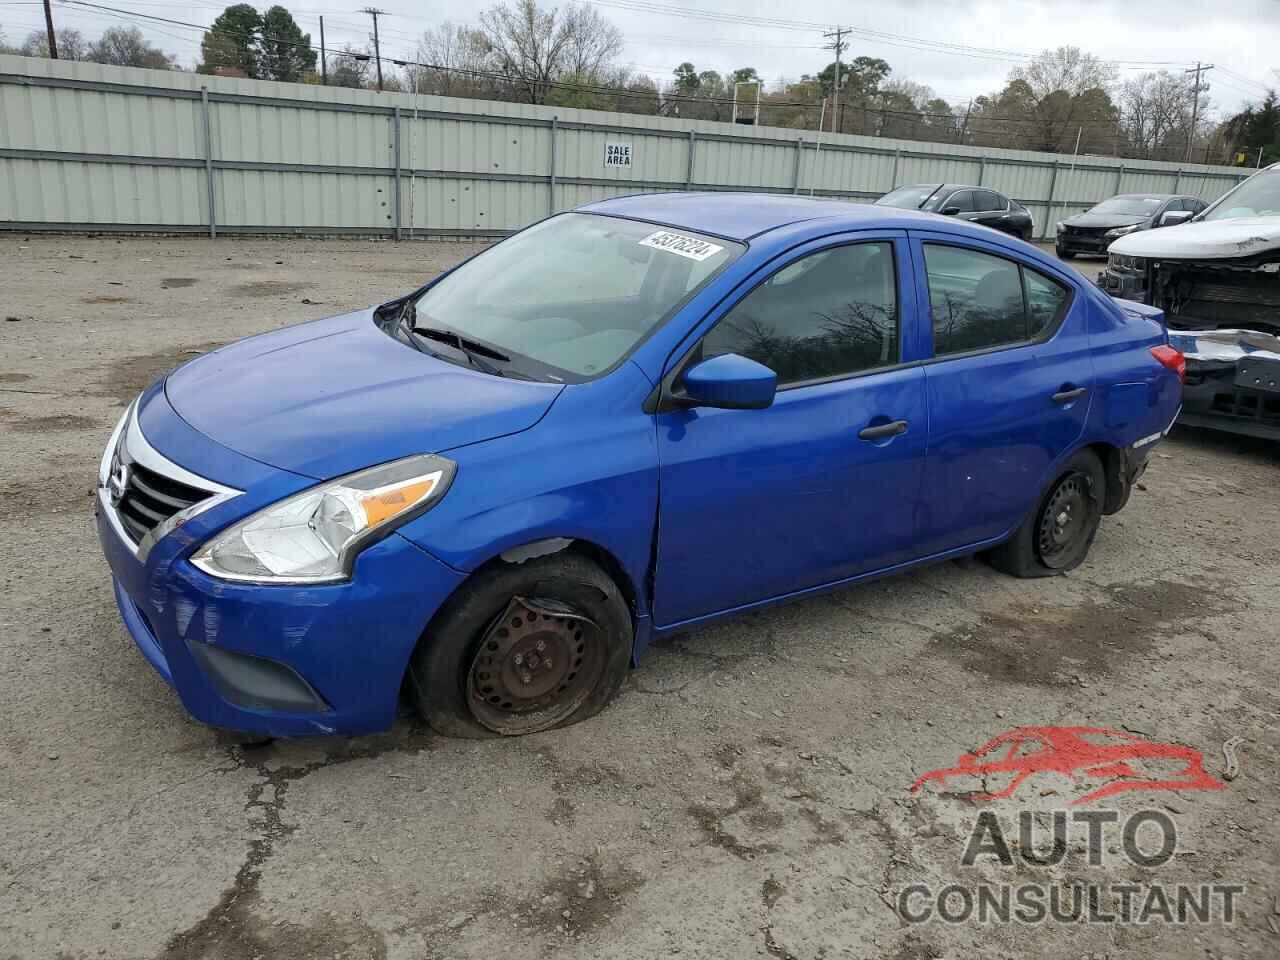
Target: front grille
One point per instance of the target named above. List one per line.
(1086, 233)
(151, 498)
(1248, 404)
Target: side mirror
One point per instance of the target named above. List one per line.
(729, 381)
(950, 211)
(1172, 217)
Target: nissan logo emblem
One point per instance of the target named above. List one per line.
(117, 482)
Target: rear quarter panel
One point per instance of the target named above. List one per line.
(1137, 397)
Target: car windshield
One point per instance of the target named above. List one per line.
(909, 198)
(1259, 196)
(569, 297)
(1137, 205)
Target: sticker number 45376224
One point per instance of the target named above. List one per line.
(681, 245)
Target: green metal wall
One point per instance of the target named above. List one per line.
(85, 146)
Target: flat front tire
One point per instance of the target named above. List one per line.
(1056, 535)
(522, 648)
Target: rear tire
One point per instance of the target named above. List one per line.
(1056, 535)
(522, 648)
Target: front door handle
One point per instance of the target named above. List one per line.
(1066, 396)
(883, 430)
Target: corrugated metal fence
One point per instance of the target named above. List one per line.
(90, 147)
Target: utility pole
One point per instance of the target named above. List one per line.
(964, 126)
(324, 66)
(837, 44)
(377, 53)
(1195, 103)
(48, 26)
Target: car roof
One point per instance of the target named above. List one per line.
(1153, 196)
(969, 186)
(741, 216)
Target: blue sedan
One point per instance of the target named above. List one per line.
(492, 494)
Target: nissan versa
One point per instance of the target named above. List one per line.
(493, 493)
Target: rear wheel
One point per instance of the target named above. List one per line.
(1056, 536)
(522, 648)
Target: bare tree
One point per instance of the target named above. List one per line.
(593, 44)
(1059, 89)
(534, 48)
(1156, 109)
(126, 47)
(350, 66)
(71, 45)
(527, 45)
(455, 62)
(1067, 69)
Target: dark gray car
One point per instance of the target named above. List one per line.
(965, 202)
(1092, 231)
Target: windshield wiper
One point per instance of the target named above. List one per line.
(405, 322)
(472, 349)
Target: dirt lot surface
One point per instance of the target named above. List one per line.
(746, 796)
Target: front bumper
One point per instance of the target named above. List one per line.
(1211, 399)
(229, 650)
(278, 660)
(1076, 243)
(1233, 381)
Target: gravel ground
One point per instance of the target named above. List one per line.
(747, 795)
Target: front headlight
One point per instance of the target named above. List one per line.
(1121, 231)
(1060, 227)
(314, 536)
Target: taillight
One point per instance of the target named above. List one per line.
(1173, 359)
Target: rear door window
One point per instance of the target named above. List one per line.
(990, 200)
(1046, 299)
(976, 299)
(980, 301)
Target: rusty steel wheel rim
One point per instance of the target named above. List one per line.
(536, 664)
(1066, 520)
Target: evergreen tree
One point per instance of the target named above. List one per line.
(284, 51)
(232, 42)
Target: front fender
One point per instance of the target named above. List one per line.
(588, 471)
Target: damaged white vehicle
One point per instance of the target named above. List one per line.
(1217, 279)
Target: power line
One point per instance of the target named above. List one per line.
(1243, 79)
(134, 16)
(892, 39)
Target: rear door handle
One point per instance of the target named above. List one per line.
(1066, 396)
(879, 432)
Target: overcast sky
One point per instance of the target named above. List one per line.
(1240, 37)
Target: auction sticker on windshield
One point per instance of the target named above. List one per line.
(681, 245)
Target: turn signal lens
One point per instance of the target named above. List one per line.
(1173, 359)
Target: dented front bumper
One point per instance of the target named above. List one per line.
(1233, 381)
(279, 660)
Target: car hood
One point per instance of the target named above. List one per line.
(326, 398)
(1204, 240)
(1099, 220)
